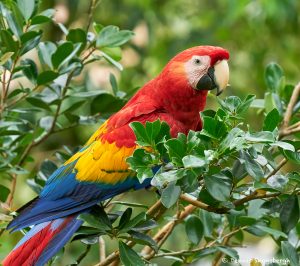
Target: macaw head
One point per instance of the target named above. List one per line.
(202, 68)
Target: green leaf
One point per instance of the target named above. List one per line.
(144, 226)
(141, 161)
(26, 7)
(106, 103)
(218, 186)
(97, 27)
(93, 221)
(232, 253)
(29, 41)
(4, 192)
(194, 229)
(7, 41)
(29, 69)
(48, 168)
(207, 220)
(246, 220)
(170, 195)
(112, 61)
(272, 101)
(292, 156)
(125, 218)
(36, 102)
(177, 150)
(161, 178)
(4, 58)
(14, 19)
(111, 36)
(43, 17)
(76, 36)
(273, 75)
(87, 94)
(270, 231)
(147, 134)
(141, 217)
(289, 252)
(252, 167)
(130, 204)
(63, 54)
(272, 120)
(143, 239)
(262, 137)
(289, 214)
(46, 122)
(128, 256)
(213, 128)
(45, 52)
(192, 161)
(72, 107)
(113, 52)
(284, 145)
(46, 77)
(113, 83)
(246, 103)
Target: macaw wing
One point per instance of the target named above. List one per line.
(97, 172)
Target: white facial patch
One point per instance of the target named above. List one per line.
(196, 67)
(222, 74)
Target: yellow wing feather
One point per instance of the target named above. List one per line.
(101, 161)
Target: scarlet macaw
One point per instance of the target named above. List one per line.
(99, 170)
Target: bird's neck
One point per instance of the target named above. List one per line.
(179, 100)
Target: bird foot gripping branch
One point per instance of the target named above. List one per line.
(99, 171)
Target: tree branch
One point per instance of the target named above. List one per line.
(167, 230)
(91, 12)
(102, 249)
(293, 101)
(254, 195)
(210, 244)
(286, 129)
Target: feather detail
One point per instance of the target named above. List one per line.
(42, 242)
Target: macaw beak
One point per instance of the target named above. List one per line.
(217, 77)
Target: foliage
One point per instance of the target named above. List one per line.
(220, 183)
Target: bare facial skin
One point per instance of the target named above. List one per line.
(198, 66)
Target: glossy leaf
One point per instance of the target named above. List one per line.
(170, 195)
(128, 256)
(290, 253)
(289, 214)
(194, 229)
(26, 7)
(111, 36)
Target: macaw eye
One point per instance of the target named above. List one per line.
(197, 61)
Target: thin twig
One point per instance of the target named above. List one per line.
(167, 229)
(286, 129)
(3, 91)
(201, 205)
(293, 101)
(102, 249)
(219, 255)
(83, 255)
(25, 95)
(91, 12)
(10, 197)
(210, 244)
(254, 195)
(280, 165)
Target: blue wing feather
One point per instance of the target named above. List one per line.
(64, 195)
